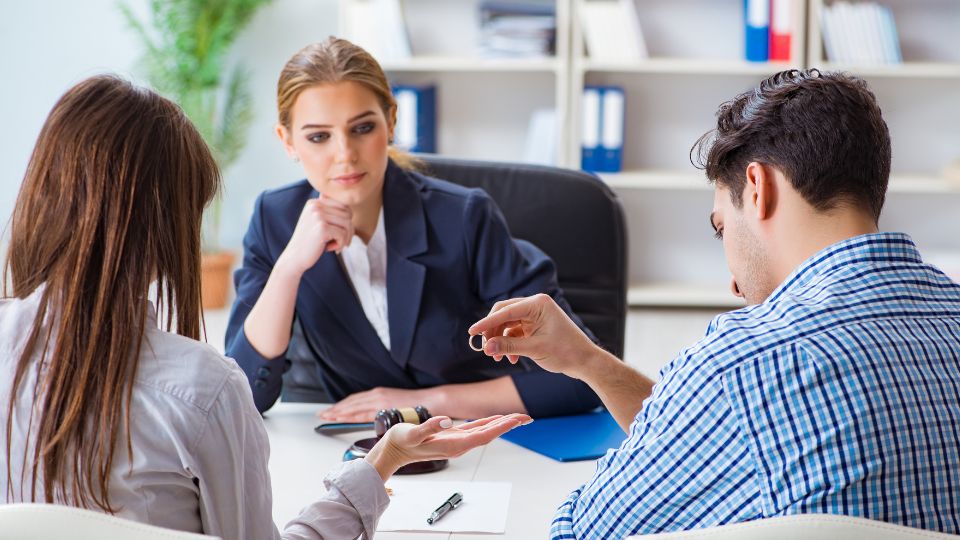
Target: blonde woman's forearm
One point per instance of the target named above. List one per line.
(267, 327)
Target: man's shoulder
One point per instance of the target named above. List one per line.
(760, 330)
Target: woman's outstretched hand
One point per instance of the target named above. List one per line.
(437, 438)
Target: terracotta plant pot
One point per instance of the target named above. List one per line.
(215, 279)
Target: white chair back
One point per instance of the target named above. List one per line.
(55, 522)
(804, 527)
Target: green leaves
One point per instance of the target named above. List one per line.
(186, 43)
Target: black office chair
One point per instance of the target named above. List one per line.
(571, 215)
(574, 218)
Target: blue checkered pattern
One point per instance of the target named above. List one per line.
(839, 394)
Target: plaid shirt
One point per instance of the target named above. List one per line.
(839, 394)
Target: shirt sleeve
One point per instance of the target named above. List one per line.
(684, 465)
(264, 375)
(236, 499)
(504, 267)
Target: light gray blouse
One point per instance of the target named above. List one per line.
(200, 450)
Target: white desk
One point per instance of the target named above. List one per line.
(300, 458)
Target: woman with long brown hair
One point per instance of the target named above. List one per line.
(384, 267)
(102, 408)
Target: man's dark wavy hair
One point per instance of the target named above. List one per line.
(824, 131)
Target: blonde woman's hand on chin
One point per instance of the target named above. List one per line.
(324, 225)
(437, 438)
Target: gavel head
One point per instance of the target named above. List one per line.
(387, 418)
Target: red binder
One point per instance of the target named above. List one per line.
(781, 23)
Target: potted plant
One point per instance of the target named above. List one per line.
(186, 44)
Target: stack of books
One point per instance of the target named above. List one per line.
(862, 33)
(517, 28)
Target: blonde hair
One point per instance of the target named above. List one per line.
(332, 61)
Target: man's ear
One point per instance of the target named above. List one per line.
(759, 193)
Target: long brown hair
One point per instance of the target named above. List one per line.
(332, 61)
(111, 201)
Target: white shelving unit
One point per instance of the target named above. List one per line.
(461, 65)
(484, 104)
(670, 104)
(695, 63)
(678, 180)
(674, 260)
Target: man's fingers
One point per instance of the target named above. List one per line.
(524, 309)
(513, 347)
(504, 303)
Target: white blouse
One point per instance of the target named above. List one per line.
(366, 266)
(200, 450)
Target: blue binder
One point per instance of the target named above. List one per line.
(590, 125)
(416, 129)
(612, 109)
(570, 438)
(756, 18)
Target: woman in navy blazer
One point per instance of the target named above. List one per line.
(400, 340)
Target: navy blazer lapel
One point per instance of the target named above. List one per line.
(406, 230)
(329, 281)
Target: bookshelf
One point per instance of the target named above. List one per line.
(670, 104)
(674, 260)
(459, 65)
(695, 62)
(484, 104)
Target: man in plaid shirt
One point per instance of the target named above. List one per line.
(835, 391)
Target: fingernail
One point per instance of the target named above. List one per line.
(530, 421)
(493, 348)
(446, 423)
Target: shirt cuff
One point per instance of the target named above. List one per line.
(265, 375)
(361, 484)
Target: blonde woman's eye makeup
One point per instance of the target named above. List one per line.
(318, 137)
(364, 128)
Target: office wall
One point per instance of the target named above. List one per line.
(46, 46)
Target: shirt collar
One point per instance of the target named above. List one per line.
(866, 248)
(379, 236)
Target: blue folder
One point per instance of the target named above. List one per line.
(570, 438)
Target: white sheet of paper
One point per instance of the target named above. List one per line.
(483, 510)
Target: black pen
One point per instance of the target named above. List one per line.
(448, 505)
